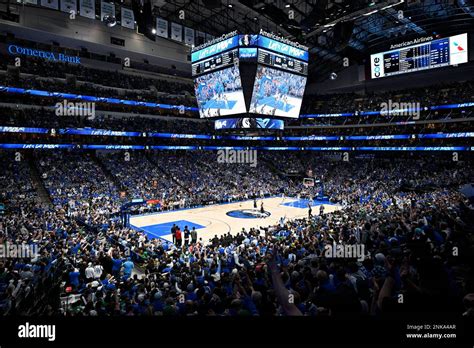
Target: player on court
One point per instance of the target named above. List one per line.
(263, 81)
(219, 90)
(283, 90)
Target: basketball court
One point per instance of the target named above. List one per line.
(220, 219)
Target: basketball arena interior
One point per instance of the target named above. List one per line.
(235, 159)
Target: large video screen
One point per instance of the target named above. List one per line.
(428, 55)
(277, 93)
(220, 93)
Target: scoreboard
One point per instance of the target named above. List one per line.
(270, 80)
(222, 60)
(418, 57)
(428, 55)
(282, 62)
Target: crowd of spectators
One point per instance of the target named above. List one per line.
(111, 78)
(436, 94)
(92, 89)
(183, 179)
(140, 178)
(403, 118)
(78, 187)
(408, 214)
(44, 75)
(46, 118)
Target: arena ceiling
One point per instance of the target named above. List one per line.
(333, 29)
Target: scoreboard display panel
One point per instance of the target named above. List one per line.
(216, 62)
(428, 55)
(283, 62)
(220, 93)
(280, 80)
(277, 93)
(270, 81)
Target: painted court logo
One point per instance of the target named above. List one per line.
(37, 331)
(248, 214)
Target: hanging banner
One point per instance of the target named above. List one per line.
(53, 4)
(68, 6)
(200, 37)
(106, 9)
(188, 36)
(176, 32)
(128, 19)
(162, 27)
(87, 8)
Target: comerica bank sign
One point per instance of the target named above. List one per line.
(31, 52)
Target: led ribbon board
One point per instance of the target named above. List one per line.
(214, 49)
(282, 48)
(249, 123)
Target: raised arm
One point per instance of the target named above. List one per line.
(282, 293)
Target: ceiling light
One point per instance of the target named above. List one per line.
(371, 12)
(110, 21)
(392, 5)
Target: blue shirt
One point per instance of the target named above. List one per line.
(74, 278)
(127, 267)
(116, 265)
